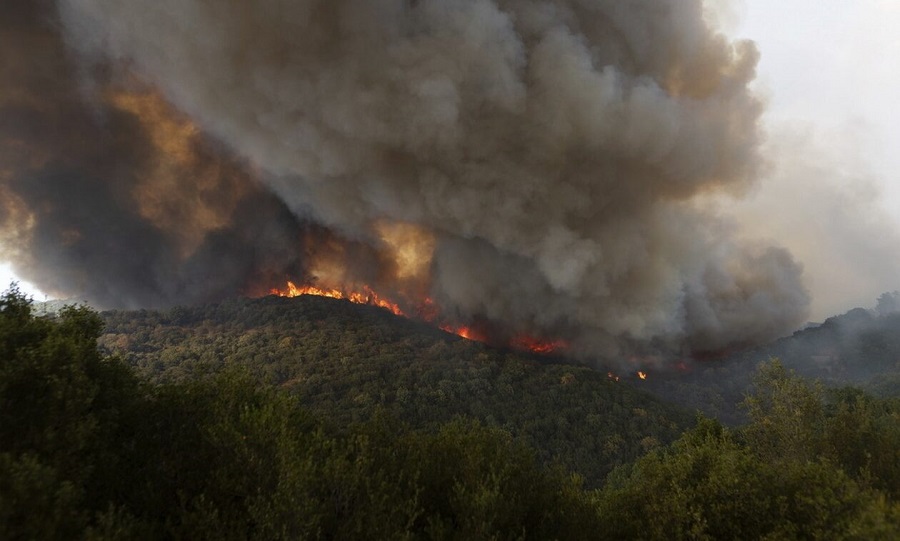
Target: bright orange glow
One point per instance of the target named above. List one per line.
(366, 296)
(468, 333)
(642, 375)
(465, 332)
(188, 210)
(412, 247)
(427, 311)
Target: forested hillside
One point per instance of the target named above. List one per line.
(348, 361)
(860, 348)
(90, 449)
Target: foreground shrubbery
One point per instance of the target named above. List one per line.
(88, 451)
(807, 466)
(84, 447)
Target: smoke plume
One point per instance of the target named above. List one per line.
(533, 164)
(111, 195)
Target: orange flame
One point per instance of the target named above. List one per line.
(642, 375)
(366, 296)
(469, 333)
(465, 332)
(426, 311)
(612, 376)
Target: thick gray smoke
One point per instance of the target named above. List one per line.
(553, 150)
(104, 197)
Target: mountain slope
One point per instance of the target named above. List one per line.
(858, 348)
(347, 361)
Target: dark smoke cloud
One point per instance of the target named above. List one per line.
(552, 150)
(93, 206)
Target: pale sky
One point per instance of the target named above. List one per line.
(7, 277)
(830, 71)
(836, 65)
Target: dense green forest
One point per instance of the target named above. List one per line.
(346, 361)
(162, 442)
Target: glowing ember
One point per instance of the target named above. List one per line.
(428, 311)
(535, 345)
(642, 375)
(612, 376)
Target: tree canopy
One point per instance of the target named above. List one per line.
(90, 449)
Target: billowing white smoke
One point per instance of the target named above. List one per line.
(553, 148)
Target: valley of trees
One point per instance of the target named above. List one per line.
(314, 419)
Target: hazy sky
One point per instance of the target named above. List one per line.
(7, 276)
(829, 70)
(836, 65)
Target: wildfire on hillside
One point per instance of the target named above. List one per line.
(365, 296)
(398, 166)
(467, 332)
(426, 311)
(538, 346)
